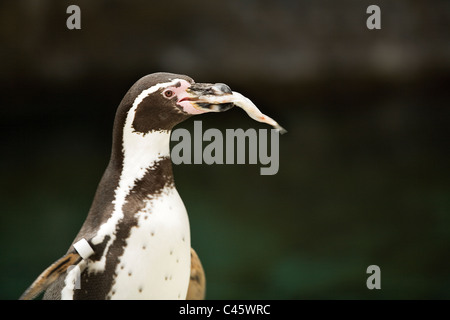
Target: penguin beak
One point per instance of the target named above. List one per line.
(208, 97)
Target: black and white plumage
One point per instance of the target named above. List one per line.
(137, 226)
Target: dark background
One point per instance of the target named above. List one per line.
(364, 169)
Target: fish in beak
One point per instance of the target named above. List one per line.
(207, 97)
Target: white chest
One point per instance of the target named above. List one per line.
(156, 260)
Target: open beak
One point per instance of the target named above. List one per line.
(207, 97)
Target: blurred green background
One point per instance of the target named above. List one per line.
(364, 169)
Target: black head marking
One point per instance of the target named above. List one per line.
(156, 112)
(145, 124)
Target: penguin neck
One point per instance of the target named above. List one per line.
(136, 153)
(146, 158)
(139, 169)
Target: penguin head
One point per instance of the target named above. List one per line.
(159, 101)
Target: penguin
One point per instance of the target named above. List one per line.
(135, 241)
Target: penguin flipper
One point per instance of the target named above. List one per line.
(197, 281)
(50, 275)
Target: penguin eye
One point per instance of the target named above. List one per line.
(168, 93)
